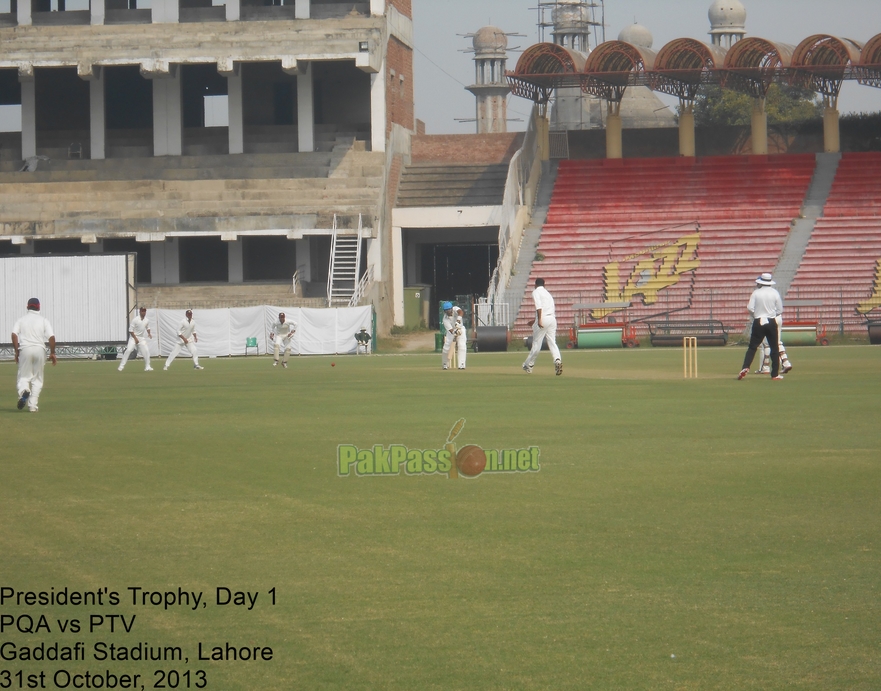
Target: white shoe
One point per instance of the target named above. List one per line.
(119, 369)
(787, 367)
(198, 367)
(165, 369)
(34, 409)
(275, 363)
(462, 367)
(148, 369)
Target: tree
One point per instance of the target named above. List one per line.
(785, 105)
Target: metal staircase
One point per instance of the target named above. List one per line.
(345, 259)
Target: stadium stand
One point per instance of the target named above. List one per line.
(679, 238)
(840, 265)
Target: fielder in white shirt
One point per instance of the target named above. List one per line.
(544, 328)
(282, 333)
(764, 307)
(186, 336)
(139, 332)
(454, 330)
(30, 334)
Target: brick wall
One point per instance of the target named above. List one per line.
(466, 148)
(405, 7)
(399, 85)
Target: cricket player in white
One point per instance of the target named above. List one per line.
(139, 332)
(543, 328)
(186, 336)
(282, 334)
(454, 330)
(30, 334)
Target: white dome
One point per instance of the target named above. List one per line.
(637, 35)
(727, 14)
(490, 39)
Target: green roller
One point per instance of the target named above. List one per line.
(600, 338)
(799, 335)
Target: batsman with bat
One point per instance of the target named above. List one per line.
(454, 331)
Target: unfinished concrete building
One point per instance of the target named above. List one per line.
(231, 145)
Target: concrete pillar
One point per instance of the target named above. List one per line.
(97, 9)
(236, 261)
(236, 113)
(614, 142)
(301, 9)
(167, 116)
(305, 108)
(542, 134)
(28, 118)
(378, 110)
(96, 247)
(23, 13)
(233, 10)
(377, 7)
(759, 127)
(397, 276)
(304, 259)
(165, 262)
(686, 131)
(97, 127)
(166, 11)
(831, 133)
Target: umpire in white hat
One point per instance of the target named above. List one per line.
(764, 306)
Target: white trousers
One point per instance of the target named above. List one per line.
(190, 346)
(285, 344)
(141, 347)
(31, 362)
(461, 348)
(539, 334)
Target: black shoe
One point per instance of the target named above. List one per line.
(24, 399)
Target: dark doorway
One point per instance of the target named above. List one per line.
(269, 258)
(142, 249)
(459, 269)
(203, 260)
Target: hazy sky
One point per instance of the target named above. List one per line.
(443, 69)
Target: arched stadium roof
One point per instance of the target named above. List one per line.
(869, 69)
(819, 62)
(682, 65)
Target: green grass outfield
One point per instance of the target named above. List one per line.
(680, 534)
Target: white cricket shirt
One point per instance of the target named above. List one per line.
(765, 303)
(139, 327)
(543, 301)
(33, 330)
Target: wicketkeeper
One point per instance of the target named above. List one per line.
(454, 330)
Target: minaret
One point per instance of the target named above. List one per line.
(490, 88)
(572, 24)
(573, 20)
(727, 22)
